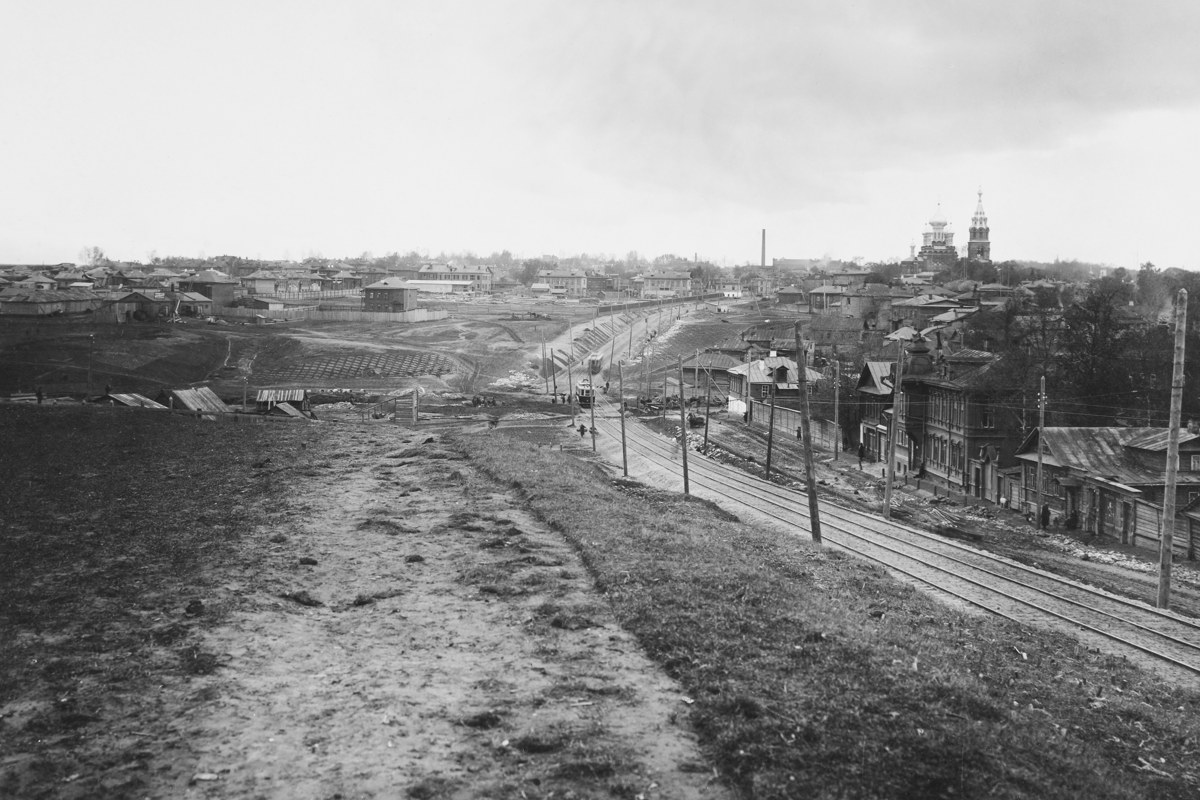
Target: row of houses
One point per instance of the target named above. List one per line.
(957, 426)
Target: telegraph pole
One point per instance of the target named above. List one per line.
(771, 427)
(837, 393)
(570, 389)
(612, 345)
(592, 408)
(621, 408)
(545, 377)
(683, 427)
(91, 350)
(1037, 510)
(814, 517)
(707, 407)
(1166, 538)
(645, 375)
(894, 432)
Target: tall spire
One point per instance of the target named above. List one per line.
(980, 218)
(978, 246)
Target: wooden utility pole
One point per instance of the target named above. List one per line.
(545, 376)
(894, 430)
(416, 404)
(683, 426)
(771, 427)
(707, 407)
(1166, 538)
(612, 345)
(645, 375)
(621, 408)
(91, 350)
(1037, 509)
(593, 425)
(837, 393)
(814, 517)
(570, 390)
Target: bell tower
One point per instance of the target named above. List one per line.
(979, 248)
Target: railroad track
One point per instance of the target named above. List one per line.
(995, 584)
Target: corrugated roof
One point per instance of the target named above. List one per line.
(18, 295)
(760, 371)
(200, 399)
(1155, 439)
(712, 361)
(390, 283)
(281, 395)
(133, 400)
(1101, 452)
(286, 410)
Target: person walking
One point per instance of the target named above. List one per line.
(862, 451)
(1045, 520)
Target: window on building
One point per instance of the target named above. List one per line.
(987, 416)
(765, 390)
(1195, 463)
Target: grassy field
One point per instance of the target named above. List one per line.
(811, 674)
(815, 675)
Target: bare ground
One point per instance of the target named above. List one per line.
(443, 644)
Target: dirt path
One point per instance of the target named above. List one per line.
(438, 642)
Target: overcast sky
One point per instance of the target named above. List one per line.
(289, 129)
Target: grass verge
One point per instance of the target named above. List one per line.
(816, 675)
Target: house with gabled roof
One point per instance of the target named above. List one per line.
(213, 284)
(874, 393)
(954, 428)
(201, 399)
(1111, 481)
(390, 294)
(764, 377)
(478, 277)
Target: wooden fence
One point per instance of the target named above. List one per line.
(310, 313)
(787, 423)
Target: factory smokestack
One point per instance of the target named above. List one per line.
(763, 264)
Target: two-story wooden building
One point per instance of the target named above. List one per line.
(954, 427)
(389, 294)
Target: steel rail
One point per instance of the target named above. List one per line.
(656, 449)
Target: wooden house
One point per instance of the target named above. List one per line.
(1112, 481)
(390, 294)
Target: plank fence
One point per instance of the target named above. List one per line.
(318, 315)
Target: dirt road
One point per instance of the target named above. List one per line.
(416, 631)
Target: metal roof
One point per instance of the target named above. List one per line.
(281, 395)
(390, 283)
(1101, 453)
(1155, 439)
(712, 361)
(200, 399)
(134, 400)
(761, 371)
(876, 378)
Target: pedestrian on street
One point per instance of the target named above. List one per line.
(862, 451)
(1045, 516)
(582, 431)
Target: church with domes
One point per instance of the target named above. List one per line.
(937, 242)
